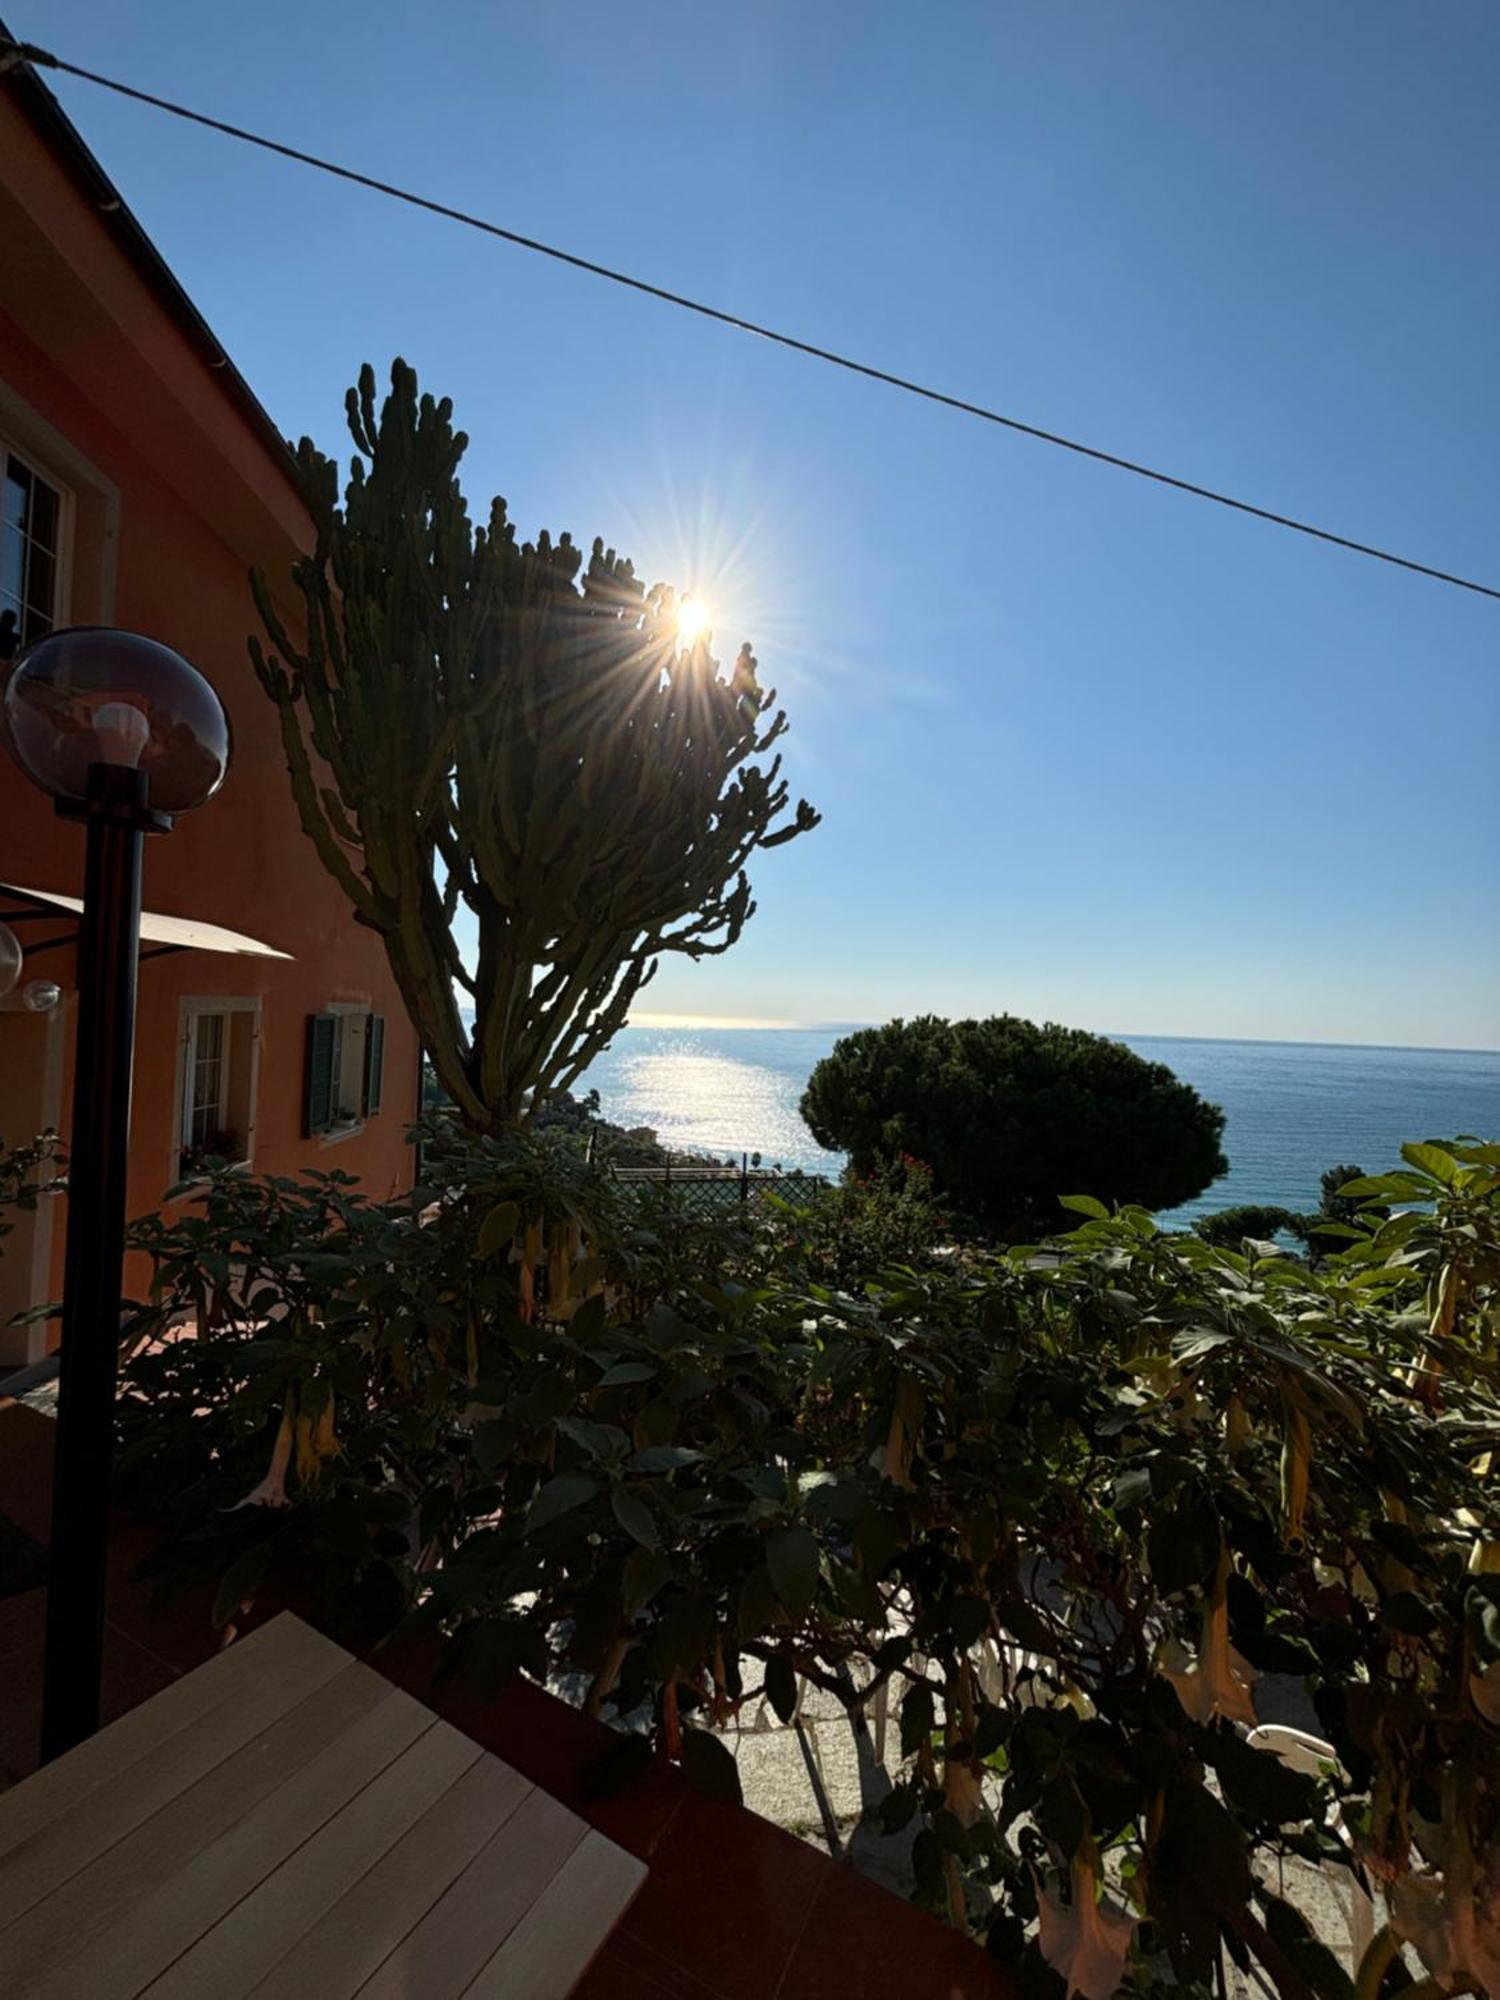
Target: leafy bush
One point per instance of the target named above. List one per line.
(1009, 1115)
(1257, 1222)
(27, 1172)
(1060, 1512)
(837, 1235)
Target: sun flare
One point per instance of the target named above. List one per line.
(693, 620)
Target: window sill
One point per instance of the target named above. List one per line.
(345, 1130)
(190, 1181)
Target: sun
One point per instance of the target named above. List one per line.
(693, 621)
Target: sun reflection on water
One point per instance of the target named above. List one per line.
(698, 1099)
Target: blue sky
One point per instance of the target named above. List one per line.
(1086, 749)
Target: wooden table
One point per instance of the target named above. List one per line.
(284, 1821)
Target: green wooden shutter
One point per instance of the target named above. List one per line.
(374, 1062)
(317, 1112)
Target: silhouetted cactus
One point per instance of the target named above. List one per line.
(469, 725)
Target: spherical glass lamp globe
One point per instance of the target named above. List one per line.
(40, 996)
(88, 695)
(10, 958)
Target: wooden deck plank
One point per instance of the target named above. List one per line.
(277, 1648)
(118, 1963)
(364, 1926)
(69, 1841)
(284, 1820)
(269, 1924)
(92, 1899)
(449, 1948)
(549, 1950)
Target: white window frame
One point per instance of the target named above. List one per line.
(190, 1010)
(345, 1013)
(192, 1106)
(41, 468)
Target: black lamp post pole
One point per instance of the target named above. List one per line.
(117, 817)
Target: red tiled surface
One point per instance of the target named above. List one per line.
(732, 1909)
(848, 1947)
(626, 1969)
(734, 1896)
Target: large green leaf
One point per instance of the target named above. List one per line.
(646, 1570)
(709, 1768)
(792, 1558)
(664, 1458)
(626, 1372)
(757, 1605)
(634, 1516)
(559, 1496)
(1084, 1204)
(917, 1719)
(1307, 1953)
(1430, 1159)
(781, 1686)
(498, 1228)
(1184, 1540)
(1261, 1788)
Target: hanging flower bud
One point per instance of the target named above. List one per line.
(906, 1414)
(1236, 1425)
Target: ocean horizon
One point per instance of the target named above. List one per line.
(1292, 1109)
(716, 1023)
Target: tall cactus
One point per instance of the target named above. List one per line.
(470, 725)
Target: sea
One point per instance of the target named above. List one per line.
(1292, 1108)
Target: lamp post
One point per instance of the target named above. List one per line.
(123, 734)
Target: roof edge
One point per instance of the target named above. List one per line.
(46, 113)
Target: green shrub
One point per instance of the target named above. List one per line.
(1066, 1508)
(841, 1234)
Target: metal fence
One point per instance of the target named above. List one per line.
(710, 1191)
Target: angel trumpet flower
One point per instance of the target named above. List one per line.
(1085, 1940)
(1219, 1681)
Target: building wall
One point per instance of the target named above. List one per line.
(180, 495)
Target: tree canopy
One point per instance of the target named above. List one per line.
(484, 747)
(1010, 1116)
(1260, 1221)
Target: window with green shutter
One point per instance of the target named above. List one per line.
(374, 1062)
(322, 1063)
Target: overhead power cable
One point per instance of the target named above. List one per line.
(43, 59)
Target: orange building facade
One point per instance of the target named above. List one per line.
(139, 482)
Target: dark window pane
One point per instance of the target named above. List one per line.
(17, 504)
(41, 582)
(12, 562)
(44, 511)
(30, 522)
